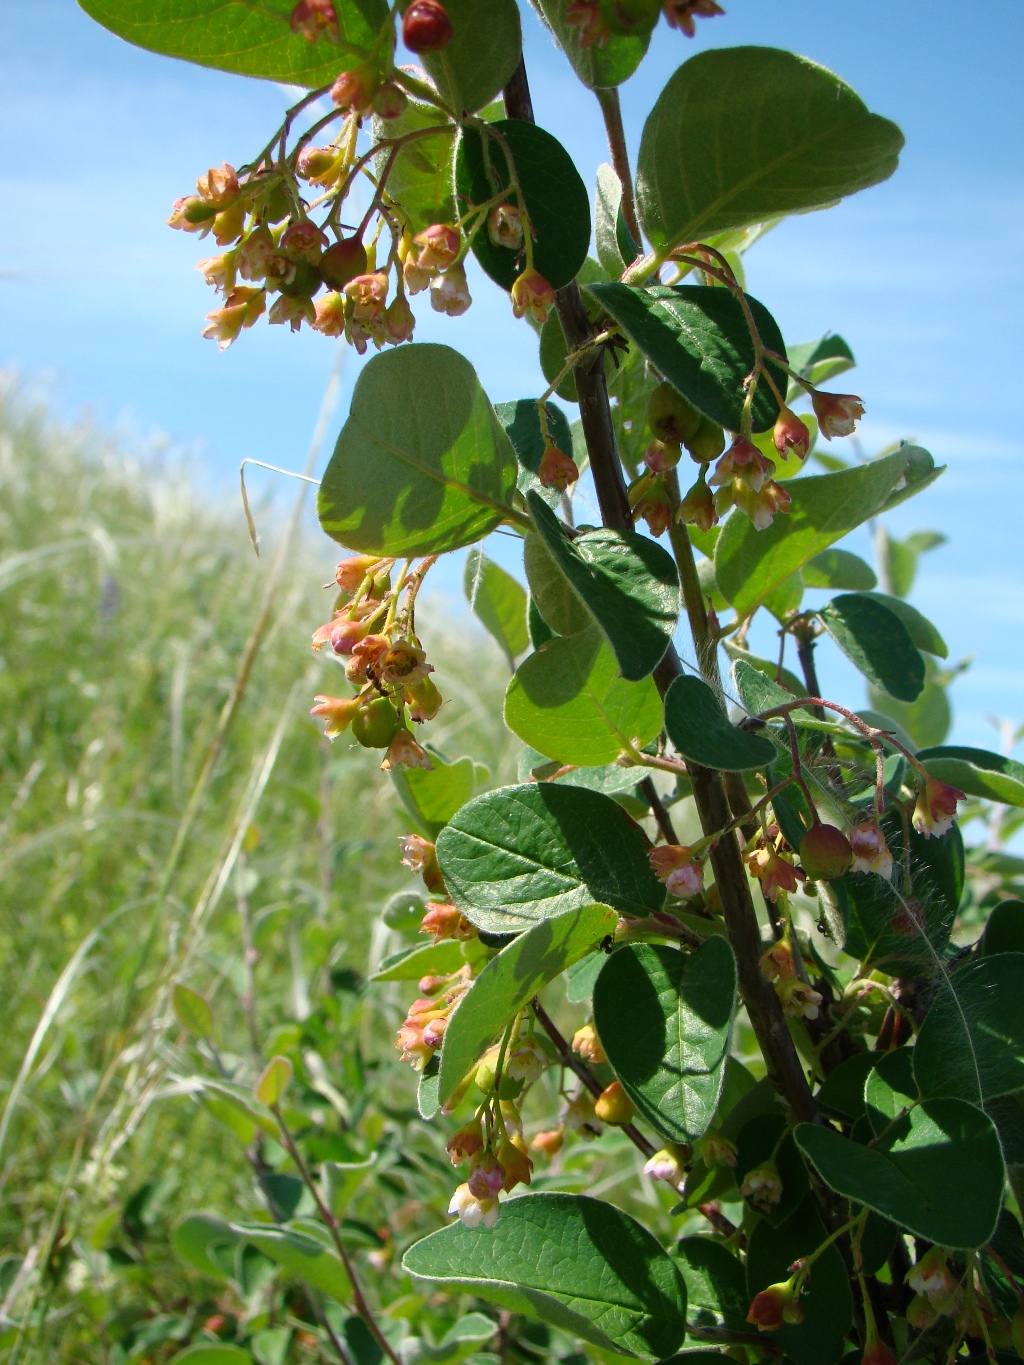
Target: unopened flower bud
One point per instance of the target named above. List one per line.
(354, 90)
(661, 456)
(556, 469)
(654, 508)
(449, 293)
(439, 246)
(351, 572)
(671, 417)
(775, 1306)
(586, 1042)
(613, 1105)
(505, 227)
(549, 1142)
(390, 101)
(586, 17)
(315, 19)
(825, 853)
(697, 508)
(319, 165)
(790, 435)
(532, 294)
(192, 214)
(444, 921)
(837, 413)
(404, 752)
(426, 26)
(666, 1165)
(486, 1175)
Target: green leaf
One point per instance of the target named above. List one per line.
(422, 959)
(301, 1256)
(212, 1354)
(192, 1011)
(826, 1299)
(235, 35)
(611, 778)
(422, 465)
(926, 721)
(609, 226)
(556, 200)
(341, 1179)
(509, 982)
(819, 361)
(522, 854)
(701, 731)
(499, 601)
(882, 929)
(597, 67)
(433, 795)
(876, 642)
(235, 1107)
(665, 1020)
(789, 681)
(921, 471)
(993, 777)
(486, 45)
(716, 1284)
(196, 1235)
(697, 337)
(839, 569)
(890, 1090)
(628, 583)
(971, 1043)
(940, 1146)
(274, 1081)
(521, 421)
(750, 565)
(1004, 932)
(743, 134)
(551, 592)
(577, 1263)
(842, 1093)
(421, 175)
(568, 701)
(919, 628)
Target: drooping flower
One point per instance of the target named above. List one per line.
(716, 1150)
(790, 435)
(218, 186)
(678, 868)
(337, 711)
(586, 1042)
(505, 226)
(935, 809)
(682, 13)
(445, 921)
(351, 572)
(515, 1161)
(932, 1278)
(242, 308)
(698, 507)
(304, 241)
(837, 413)
(439, 246)
(775, 1306)
(292, 311)
(472, 1211)
(666, 1164)
(220, 271)
(404, 752)
(532, 294)
(870, 851)
(774, 872)
(366, 295)
(743, 459)
(762, 1186)
(486, 1175)
(527, 1061)
(556, 469)
(449, 293)
(399, 320)
(403, 664)
(465, 1143)
(354, 90)
(798, 999)
(330, 315)
(613, 1105)
(549, 1142)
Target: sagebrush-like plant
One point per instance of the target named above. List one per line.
(754, 884)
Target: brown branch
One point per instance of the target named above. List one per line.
(661, 816)
(611, 111)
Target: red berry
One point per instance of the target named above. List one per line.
(426, 27)
(342, 262)
(825, 853)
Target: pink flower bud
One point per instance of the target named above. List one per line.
(345, 635)
(319, 165)
(219, 186)
(315, 19)
(486, 1176)
(825, 853)
(743, 458)
(439, 246)
(837, 413)
(532, 294)
(613, 1105)
(679, 868)
(870, 851)
(698, 507)
(505, 227)
(665, 1165)
(586, 1042)
(354, 90)
(433, 1034)
(770, 1309)
(556, 469)
(465, 1143)
(445, 921)
(366, 295)
(351, 572)
(390, 101)
(790, 435)
(337, 711)
(935, 810)
(449, 293)
(404, 752)
(399, 320)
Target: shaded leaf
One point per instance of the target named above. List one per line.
(522, 854)
(716, 1284)
(919, 628)
(521, 421)
(422, 465)
(1004, 932)
(557, 601)
(700, 730)
(197, 1234)
(876, 642)
(421, 175)
(510, 980)
(842, 1092)
(569, 702)
(499, 601)
(577, 1263)
(971, 1043)
(596, 66)
(994, 777)
(665, 1020)
(301, 1256)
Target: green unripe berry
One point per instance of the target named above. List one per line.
(670, 416)
(707, 442)
(376, 724)
(303, 284)
(343, 262)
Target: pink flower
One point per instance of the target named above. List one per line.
(256, 253)
(366, 295)
(665, 1165)
(304, 241)
(549, 1142)
(586, 1042)
(774, 872)
(837, 413)
(242, 308)
(404, 752)
(417, 853)
(218, 186)
(870, 851)
(655, 509)
(527, 1061)
(414, 277)
(465, 1143)
(790, 434)
(698, 507)
(505, 227)
(556, 469)
(402, 664)
(313, 18)
(935, 810)
(439, 246)
(532, 294)
(745, 460)
(293, 311)
(680, 870)
(350, 572)
(192, 214)
(330, 315)
(354, 90)
(399, 320)
(486, 1176)
(449, 293)
(775, 1306)
(337, 711)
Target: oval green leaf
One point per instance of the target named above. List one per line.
(422, 465)
(510, 980)
(665, 1020)
(598, 67)
(422, 959)
(236, 35)
(301, 1256)
(628, 583)
(421, 175)
(700, 730)
(716, 1284)
(212, 1354)
(499, 601)
(556, 200)
(940, 1146)
(740, 135)
(569, 702)
(274, 1081)
(750, 565)
(521, 421)
(486, 45)
(192, 1010)
(697, 337)
(978, 772)
(522, 854)
(839, 569)
(433, 795)
(574, 1262)
(971, 1043)
(919, 628)
(876, 642)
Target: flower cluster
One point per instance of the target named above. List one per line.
(775, 872)
(427, 1018)
(382, 659)
(798, 999)
(499, 1160)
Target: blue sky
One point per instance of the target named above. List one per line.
(922, 275)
